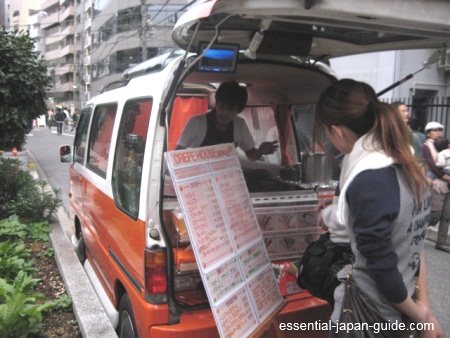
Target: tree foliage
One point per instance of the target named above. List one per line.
(23, 87)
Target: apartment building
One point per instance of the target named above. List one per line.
(58, 27)
(20, 12)
(4, 13)
(89, 43)
(120, 34)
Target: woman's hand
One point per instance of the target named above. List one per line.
(421, 314)
(322, 205)
(436, 331)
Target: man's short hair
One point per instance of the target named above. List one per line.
(231, 94)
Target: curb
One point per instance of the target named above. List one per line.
(91, 317)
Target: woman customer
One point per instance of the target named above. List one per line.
(384, 202)
(440, 195)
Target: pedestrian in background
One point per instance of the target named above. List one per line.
(75, 118)
(50, 118)
(414, 139)
(60, 117)
(440, 194)
(414, 124)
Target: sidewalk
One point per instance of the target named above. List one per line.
(432, 234)
(92, 319)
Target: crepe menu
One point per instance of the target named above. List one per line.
(225, 236)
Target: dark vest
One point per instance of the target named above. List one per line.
(215, 136)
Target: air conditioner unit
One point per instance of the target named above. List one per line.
(444, 63)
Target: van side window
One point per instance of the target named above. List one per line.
(100, 137)
(79, 144)
(129, 156)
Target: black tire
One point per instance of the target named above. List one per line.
(81, 249)
(127, 327)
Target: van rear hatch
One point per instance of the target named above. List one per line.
(317, 29)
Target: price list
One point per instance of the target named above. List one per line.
(223, 280)
(238, 208)
(210, 237)
(265, 293)
(253, 259)
(225, 236)
(235, 316)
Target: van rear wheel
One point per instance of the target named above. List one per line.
(127, 328)
(81, 249)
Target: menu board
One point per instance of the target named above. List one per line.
(225, 236)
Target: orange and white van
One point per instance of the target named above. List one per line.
(130, 233)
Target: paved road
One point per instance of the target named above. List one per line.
(44, 145)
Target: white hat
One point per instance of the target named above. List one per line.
(433, 125)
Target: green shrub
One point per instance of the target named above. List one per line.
(35, 204)
(14, 257)
(20, 314)
(25, 196)
(12, 179)
(12, 228)
(62, 303)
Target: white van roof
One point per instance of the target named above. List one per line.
(318, 29)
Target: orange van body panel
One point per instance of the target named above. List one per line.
(116, 231)
(301, 308)
(111, 230)
(77, 184)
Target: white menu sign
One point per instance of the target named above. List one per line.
(225, 236)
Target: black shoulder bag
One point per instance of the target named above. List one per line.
(318, 268)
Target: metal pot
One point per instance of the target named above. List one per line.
(317, 169)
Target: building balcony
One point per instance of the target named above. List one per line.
(87, 41)
(50, 20)
(53, 38)
(67, 13)
(53, 55)
(69, 68)
(87, 5)
(69, 30)
(87, 23)
(69, 49)
(49, 3)
(65, 87)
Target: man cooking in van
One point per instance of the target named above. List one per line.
(222, 125)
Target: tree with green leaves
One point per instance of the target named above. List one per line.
(23, 87)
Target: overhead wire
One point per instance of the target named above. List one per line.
(134, 32)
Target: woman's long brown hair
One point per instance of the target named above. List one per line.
(355, 105)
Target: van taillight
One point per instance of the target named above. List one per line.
(155, 276)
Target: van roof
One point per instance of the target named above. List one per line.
(317, 29)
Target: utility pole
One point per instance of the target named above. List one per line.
(143, 32)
